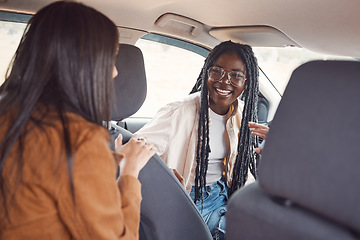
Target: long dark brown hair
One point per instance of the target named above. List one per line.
(64, 62)
(246, 157)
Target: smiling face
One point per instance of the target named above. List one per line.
(221, 93)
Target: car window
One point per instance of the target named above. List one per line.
(279, 63)
(10, 35)
(171, 72)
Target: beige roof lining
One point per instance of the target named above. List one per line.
(253, 35)
(257, 36)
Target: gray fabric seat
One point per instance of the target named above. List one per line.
(308, 175)
(167, 212)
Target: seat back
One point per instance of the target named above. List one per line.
(130, 84)
(308, 175)
(167, 211)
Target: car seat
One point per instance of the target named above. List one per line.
(308, 175)
(167, 211)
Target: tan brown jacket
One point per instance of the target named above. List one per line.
(41, 204)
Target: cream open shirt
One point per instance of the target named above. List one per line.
(173, 131)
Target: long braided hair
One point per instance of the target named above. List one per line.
(246, 157)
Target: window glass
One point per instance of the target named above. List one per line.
(10, 35)
(171, 72)
(279, 63)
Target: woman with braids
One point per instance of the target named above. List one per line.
(210, 138)
(57, 172)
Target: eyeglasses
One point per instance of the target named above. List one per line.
(236, 78)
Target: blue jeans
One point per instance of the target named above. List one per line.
(213, 207)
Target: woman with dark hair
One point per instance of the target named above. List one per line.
(210, 138)
(57, 172)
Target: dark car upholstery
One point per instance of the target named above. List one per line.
(309, 173)
(167, 212)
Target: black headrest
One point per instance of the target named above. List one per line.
(130, 84)
(311, 156)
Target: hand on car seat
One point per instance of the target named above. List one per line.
(179, 177)
(136, 153)
(260, 131)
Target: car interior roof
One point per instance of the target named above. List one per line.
(305, 23)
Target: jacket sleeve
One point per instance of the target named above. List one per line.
(100, 207)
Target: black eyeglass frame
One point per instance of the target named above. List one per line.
(229, 76)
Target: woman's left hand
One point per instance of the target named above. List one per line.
(260, 131)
